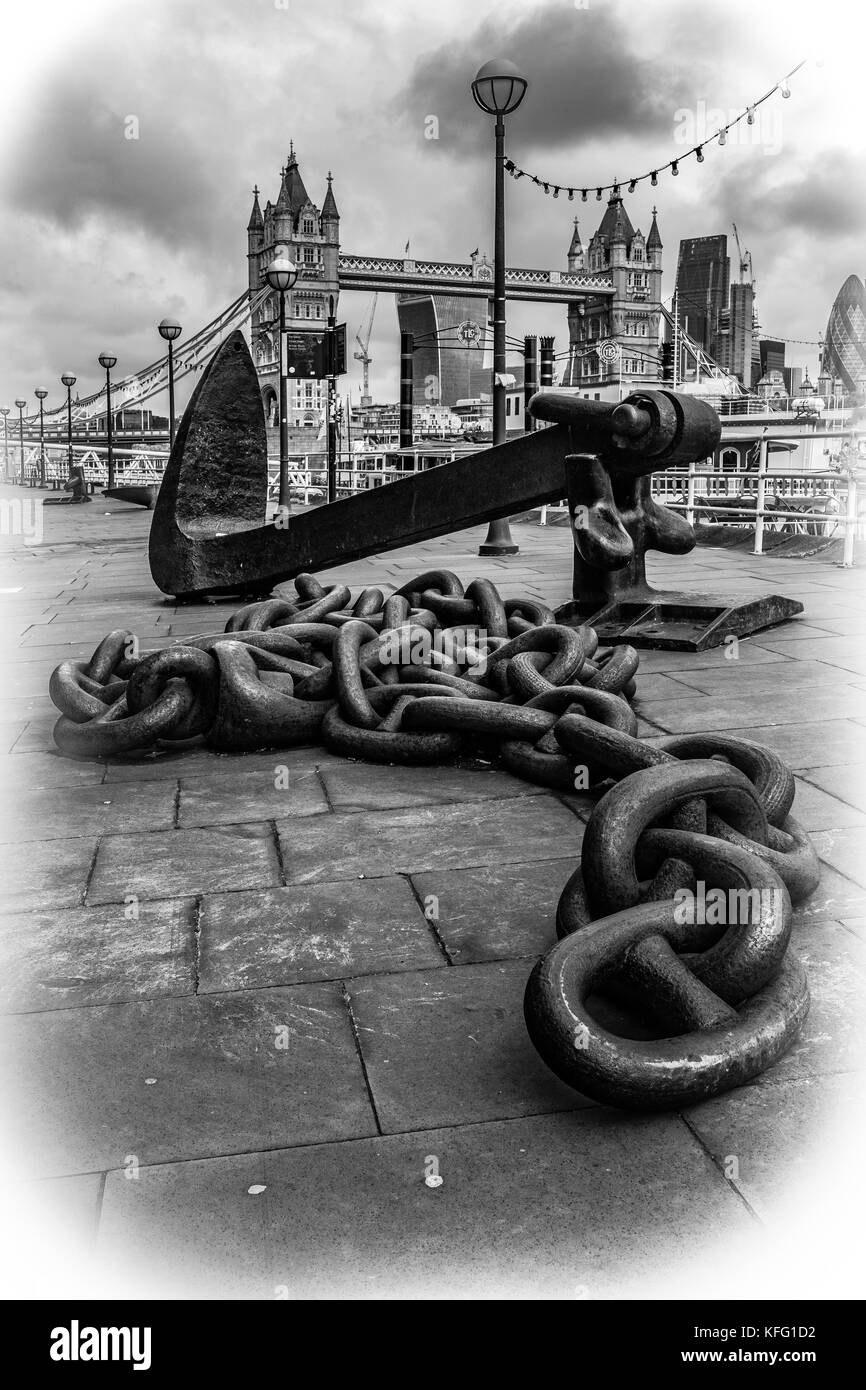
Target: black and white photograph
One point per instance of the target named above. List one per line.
(433, 719)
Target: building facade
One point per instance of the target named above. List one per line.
(843, 356)
(309, 235)
(703, 286)
(453, 341)
(630, 318)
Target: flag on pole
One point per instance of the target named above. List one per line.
(406, 252)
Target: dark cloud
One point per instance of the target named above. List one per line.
(586, 80)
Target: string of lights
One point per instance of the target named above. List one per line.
(720, 136)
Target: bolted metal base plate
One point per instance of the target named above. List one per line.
(672, 621)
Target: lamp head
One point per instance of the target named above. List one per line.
(281, 274)
(40, 395)
(498, 87)
(169, 329)
(20, 404)
(107, 361)
(68, 379)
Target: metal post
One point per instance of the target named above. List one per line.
(850, 523)
(284, 412)
(69, 425)
(690, 496)
(41, 397)
(6, 444)
(676, 341)
(170, 395)
(499, 540)
(407, 373)
(109, 425)
(530, 379)
(763, 454)
(546, 362)
(21, 442)
(331, 410)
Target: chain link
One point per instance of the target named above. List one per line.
(431, 672)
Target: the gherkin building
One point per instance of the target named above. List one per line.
(844, 354)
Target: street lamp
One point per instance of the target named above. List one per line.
(21, 405)
(281, 275)
(4, 411)
(40, 396)
(68, 381)
(107, 361)
(499, 89)
(170, 329)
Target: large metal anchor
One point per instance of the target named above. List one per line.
(209, 536)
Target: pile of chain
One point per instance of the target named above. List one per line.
(432, 672)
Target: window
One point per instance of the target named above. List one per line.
(638, 253)
(309, 255)
(643, 330)
(309, 226)
(318, 311)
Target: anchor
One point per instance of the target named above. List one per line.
(209, 537)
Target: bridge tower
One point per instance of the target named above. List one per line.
(309, 236)
(630, 318)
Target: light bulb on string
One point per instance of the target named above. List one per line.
(750, 115)
(571, 195)
(583, 194)
(674, 168)
(632, 186)
(654, 179)
(598, 195)
(700, 154)
(547, 188)
(556, 191)
(723, 136)
(785, 87)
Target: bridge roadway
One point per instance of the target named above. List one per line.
(474, 279)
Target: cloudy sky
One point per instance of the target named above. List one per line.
(102, 236)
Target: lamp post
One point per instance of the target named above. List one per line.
(4, 411)
(281, 275)
(40, 396)
(170, 329)
(68, 381)
(499, 89)
(107, 361)
(21, 405)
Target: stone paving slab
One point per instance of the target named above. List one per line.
(188, 1078)
(67, 959)
(496, 913)
(382, 787)
(282, 936)
(843, 850)
(581, 1205)
(373, 844)
(252, 794)
(847, 783)
(57, 813)
(450, 1047)
(182, 862)
(52, 874)
(777, 1133)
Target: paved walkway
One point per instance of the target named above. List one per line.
(238, 1046)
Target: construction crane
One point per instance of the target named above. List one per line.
(745, 260)
(362, 338)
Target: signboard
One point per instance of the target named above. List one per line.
(308, 355)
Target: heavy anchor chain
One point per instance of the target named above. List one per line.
(433, 672)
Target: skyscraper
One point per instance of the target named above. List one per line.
(703, 285)
(844, 354)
